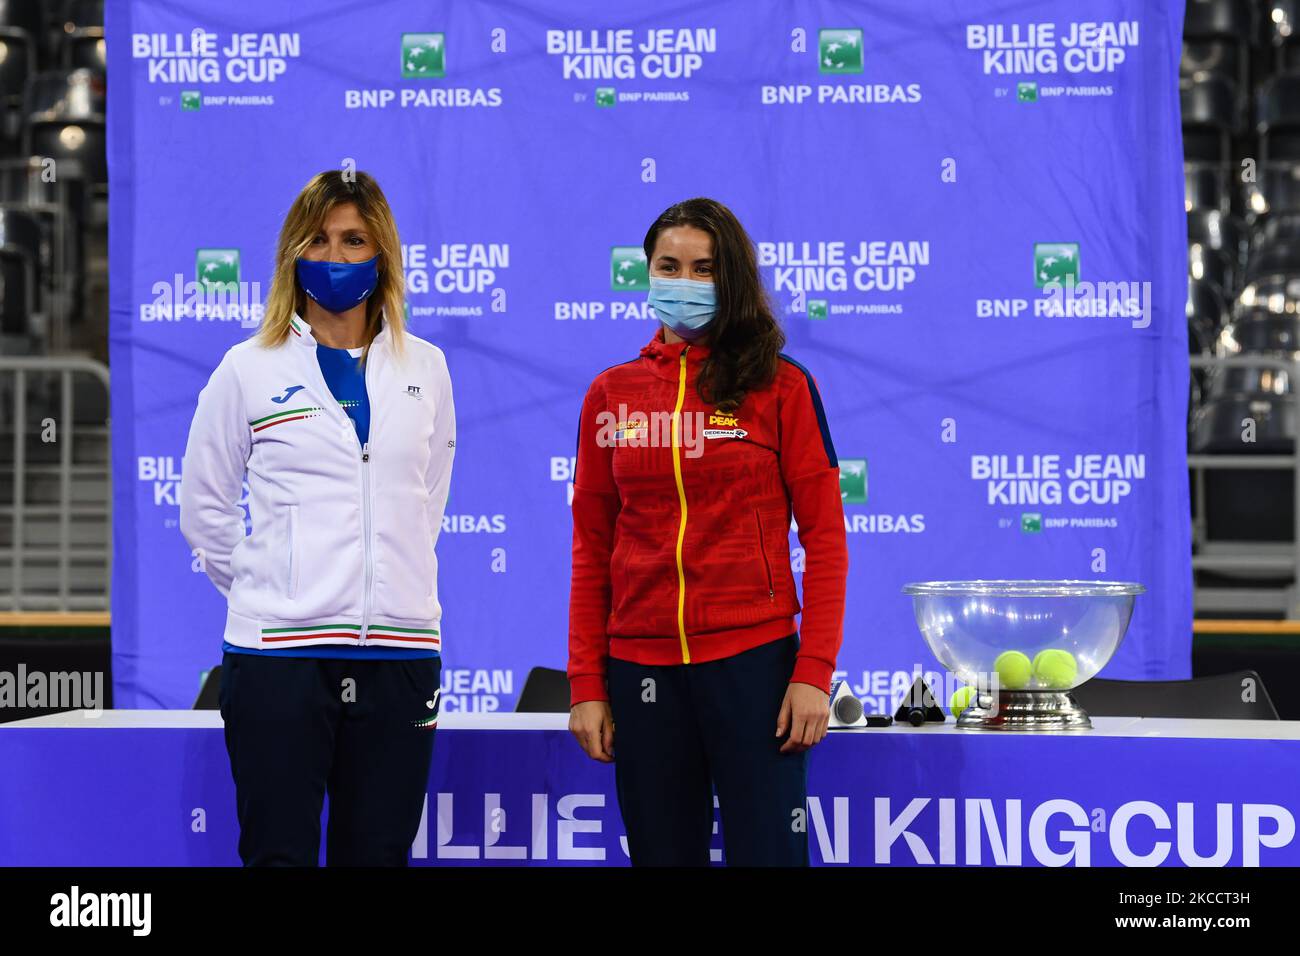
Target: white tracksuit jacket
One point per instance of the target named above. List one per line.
(342, 543)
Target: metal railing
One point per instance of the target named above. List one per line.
(20, 370)
(1250, 556)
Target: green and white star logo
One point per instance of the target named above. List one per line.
(818, 308)
(191, 100)
(424, 56)
(1027, 92)
(1031, 522)
(1056, 262)
(853, 481)
(628, 269)
(604, 96)
(839, 51)
(217, 268)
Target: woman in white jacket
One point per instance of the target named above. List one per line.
(344, 424)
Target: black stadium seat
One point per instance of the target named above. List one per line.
(1206, 307)
(1206, 186)
(1210, 117)
(16, 281)
(1247, 504)
(1278, 118)
(65, 121)
(1281, 28)
(1276, 189)
(1216, 36)
(1275, 293)
(83, 36)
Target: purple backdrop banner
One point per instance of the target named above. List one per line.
(970, 217)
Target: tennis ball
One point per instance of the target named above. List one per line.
(1014, 669)
(1055, 667)
(960, 700)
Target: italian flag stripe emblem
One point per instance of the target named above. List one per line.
(279, 418)
(427, 636)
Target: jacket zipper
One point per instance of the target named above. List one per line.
(681, 497)
(365, 531)
(762, 547)
(364, 449)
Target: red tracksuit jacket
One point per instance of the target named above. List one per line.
(681, 522)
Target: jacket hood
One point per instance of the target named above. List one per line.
(663, 358)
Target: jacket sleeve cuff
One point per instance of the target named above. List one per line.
(586, 687)
(809, 670)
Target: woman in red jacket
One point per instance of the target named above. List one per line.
(691, 460)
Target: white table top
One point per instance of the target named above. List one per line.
(1102, 726)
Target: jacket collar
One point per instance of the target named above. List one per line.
(300, 331)
(664, 358)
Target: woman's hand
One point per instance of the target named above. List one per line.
(592, 722)
(805, 712)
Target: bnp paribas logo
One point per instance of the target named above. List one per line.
(217, 268)
(628, 269)
(853, 481)
(1031, 522)
(191, 100)
(818, 308)
(839, 51)
(1027, 92)
(1056, 262)
(424, 56)
(605, 96)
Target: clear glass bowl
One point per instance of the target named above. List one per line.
(980, 628)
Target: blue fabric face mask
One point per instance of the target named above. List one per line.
(686, 306)
(338, 286)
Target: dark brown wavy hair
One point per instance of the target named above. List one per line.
(744, 338)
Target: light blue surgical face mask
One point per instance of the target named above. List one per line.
(686, 306)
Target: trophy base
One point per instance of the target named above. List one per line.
(1025, 710)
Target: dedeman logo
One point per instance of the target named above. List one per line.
(424, 56)
(1056, 262)
(839, 51)
(853, 481)
(628, 269)
(217, 269)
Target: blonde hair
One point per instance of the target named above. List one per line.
(304, 221)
